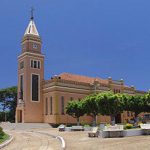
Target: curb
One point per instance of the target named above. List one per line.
(63, 145)
(6, 142)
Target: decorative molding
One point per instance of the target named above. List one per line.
(30, 54)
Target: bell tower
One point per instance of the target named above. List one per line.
(30, 76)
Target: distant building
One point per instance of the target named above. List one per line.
(42, 100)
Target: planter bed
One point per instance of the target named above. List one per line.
(4, 138)
(133, 132)
(124, 133)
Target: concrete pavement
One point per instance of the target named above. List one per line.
(26, 138)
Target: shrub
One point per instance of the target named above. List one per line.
(108, 124)
(128, 126)
(1, 131)
(139, 123)
(87, 125)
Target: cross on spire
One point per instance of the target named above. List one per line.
(32, 11)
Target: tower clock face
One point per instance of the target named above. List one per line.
(35, 46)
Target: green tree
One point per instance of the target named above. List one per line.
(91, 107)
(136, 104)
(8, 102)
(125, 101)
(75, 109)
(109, 104)
(147, 102)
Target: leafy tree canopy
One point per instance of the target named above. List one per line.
(109, 103)
(75, 108)
(8, 102)
(136, 104)
(90, 105)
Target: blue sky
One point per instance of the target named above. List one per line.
(88, 37)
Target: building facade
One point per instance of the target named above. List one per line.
(42, 100)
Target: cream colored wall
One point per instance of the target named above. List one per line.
(58, 118)
(59, 91)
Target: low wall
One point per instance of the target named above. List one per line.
(124, 133)
(85, 128)
(133, 132)
(111, 134)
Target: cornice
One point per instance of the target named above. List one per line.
(30, 54)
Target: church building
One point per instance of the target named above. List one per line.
(44, 101)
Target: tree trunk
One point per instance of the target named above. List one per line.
(78, 121)
(112, 120)
(94, 121)
(136, 119)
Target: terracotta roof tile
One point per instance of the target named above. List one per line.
(80, 78)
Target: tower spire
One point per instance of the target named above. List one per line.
(32, 12)
(31, 29)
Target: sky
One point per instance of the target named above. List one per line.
(97, 38)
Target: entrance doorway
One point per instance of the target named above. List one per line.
(19, 118)
(118, 118)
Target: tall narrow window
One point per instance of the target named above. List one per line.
(21, 87)
(71, 98)
(35, 64)
(32, 64)
(51, 105)
(39, 65)
(35, 87)
(46, 106)
(62, 105)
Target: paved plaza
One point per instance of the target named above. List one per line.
(26, 138)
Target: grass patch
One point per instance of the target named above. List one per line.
(3, 138)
